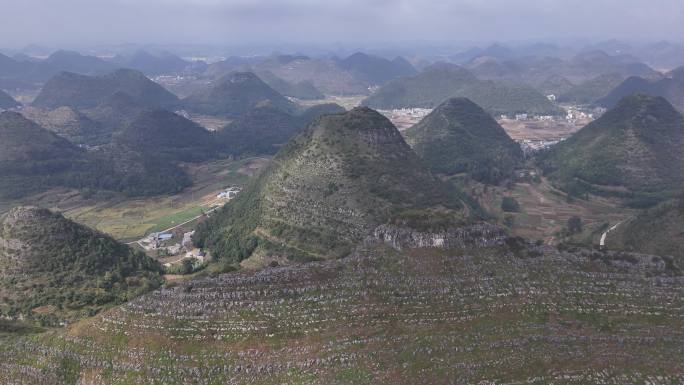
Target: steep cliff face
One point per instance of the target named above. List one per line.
(473, 236)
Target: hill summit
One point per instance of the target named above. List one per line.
(54, 269)
(460, 137)
(235, 94)
(81, 91)
(634, 148)
(328, 189)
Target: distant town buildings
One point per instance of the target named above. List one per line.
(229, 193)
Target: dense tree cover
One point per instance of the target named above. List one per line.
(460, 137)
(510, 205)
(64, 270)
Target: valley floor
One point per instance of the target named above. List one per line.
(129, 219)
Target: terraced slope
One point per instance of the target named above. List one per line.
(634, 149)
(382, 317)
(460, 137)
(328, 189)
(53, 269)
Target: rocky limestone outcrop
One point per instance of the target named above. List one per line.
(477, 235)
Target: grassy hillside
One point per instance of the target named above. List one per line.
(443, 81)
(634, 149)
(658, 230)
(53, 269)
(460, 137)
(328, 189)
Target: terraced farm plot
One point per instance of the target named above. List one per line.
(427, 316)
(544, 210)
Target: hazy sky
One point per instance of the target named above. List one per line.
(238, 22)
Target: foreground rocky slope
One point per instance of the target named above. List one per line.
(503, 314)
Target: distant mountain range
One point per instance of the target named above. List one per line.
(82, 91)
(149, 64)
(352, 75)
(442, 81)
(671, 87)
(541, 72)
(376, 70)
(31, 70)
(235, 94)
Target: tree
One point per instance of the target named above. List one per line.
(574, 225)
(510, 205)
